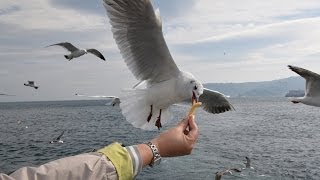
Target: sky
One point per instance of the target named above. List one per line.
(216, 40)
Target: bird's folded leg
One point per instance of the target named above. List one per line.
(150, 114)
(158, 122)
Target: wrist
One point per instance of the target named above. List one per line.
(145, 153)
(156, 157)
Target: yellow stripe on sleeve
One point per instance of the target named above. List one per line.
(120, 159)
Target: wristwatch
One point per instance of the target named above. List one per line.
(156, 155)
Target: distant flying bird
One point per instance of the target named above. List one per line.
(31, 84)
(75, 52)
(225, 172)
(312, 88)
(4, 94)
(115, 99)
(58, 139)
(137, 30)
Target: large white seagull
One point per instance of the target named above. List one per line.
(137, 30)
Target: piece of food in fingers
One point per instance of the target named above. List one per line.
(194, 107)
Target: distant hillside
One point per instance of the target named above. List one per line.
(275, 88)
(295, 93)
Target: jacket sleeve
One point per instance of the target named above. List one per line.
(127, 161)
(111, 162)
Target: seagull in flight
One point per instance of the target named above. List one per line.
(75, 52)
(4, 94)
(137, 30)
(225, 172)
(115, 99)
(58, 139)
(31, 84)
(312, 88)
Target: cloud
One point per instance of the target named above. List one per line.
(173, 9)
(302, 30)
(254, 52)
(87, 7)
(42, 15)
(210, 18)
(9, 10)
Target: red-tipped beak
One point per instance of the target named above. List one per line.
(194, 98)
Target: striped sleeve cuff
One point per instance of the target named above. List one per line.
(136, 159)
(120, 158)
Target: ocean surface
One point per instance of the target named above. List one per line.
(282, 139)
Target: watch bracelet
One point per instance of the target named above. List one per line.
(155, 153)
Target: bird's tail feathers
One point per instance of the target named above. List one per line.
(136, 109)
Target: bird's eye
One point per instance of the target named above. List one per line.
(195, 87)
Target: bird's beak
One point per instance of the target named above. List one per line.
(194, 98)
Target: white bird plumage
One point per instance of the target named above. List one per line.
(58, 139)
(75, 52)
(114, 99)
(137, 30)
(312, 88)
(225, 172)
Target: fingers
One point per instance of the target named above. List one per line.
(183, 123)
(189, 127)
(186, 132)
(193, 127)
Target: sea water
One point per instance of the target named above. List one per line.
(282, 139)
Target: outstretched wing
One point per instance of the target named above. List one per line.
(214, 102)
(235, 169)
(116, 100)
(68, 46)
(96, 52)
(312, 80)
(97, 96)
(306, 74)
(59, 137)
(137, 30)
(31, 82)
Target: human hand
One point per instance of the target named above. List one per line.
(179, 140)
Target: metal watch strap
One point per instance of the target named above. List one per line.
(156, 155)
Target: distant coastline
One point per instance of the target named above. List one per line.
(295, 93)
(274, 88)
